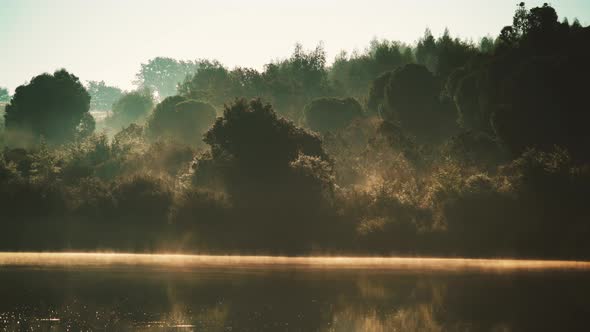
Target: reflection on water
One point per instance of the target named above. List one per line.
(154, 295)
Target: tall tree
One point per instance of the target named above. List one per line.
(211, 83)
(103, 96)
(293, 82)
(162, 75)
(352, 74)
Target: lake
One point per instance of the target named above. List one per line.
(121, 292)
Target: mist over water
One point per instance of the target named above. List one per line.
(197, 262)
(163, 292)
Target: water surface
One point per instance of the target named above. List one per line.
(98, 292)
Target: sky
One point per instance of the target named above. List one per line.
(109, 39)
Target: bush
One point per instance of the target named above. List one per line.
(475, 149)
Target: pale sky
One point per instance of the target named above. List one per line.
(109, 39)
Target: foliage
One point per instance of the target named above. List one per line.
(376, 97)
(475, 149)
(412, 100)
(103, 96)
(351, 74)
(4, 96)
(162, 75)
(464, 150)
(441, 56)
(293, 82)
(277, 174)
(50, 106)
(132, 107)
(540, 106)
(329, 114)
(181, 119)
(526, 92)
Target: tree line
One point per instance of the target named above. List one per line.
(444, 147)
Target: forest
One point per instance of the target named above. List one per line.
(443, 147)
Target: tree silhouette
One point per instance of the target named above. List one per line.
(162, 75)
(529, 87)
(329, 114)
(541, 106)
(181, 119)
(412, 100)
(52, 106)
(352, 73)
(4, 96)
(293, 82)
(441, 56)
(376, 99)
(210, 83)
(131, 107)
(259, 140)
(276, 174)
(103, 96)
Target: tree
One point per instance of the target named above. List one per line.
(441, 56)
(541, 105)
(451, 54)
(527, 92)
(487, 45)
(329, 114)
(277, 175)
(351, 74)
(181, 119)
(103, 96)
(246, 83)
(4, 96)
(252, 151)
(162, 75)
(253, 134)
(293, 82)
(376, 99)
(86, 126)
(467, 87)
(536, 29)
(426, 51)
(289, 84)
(210, 83)
(215, 84)
(52, 106)
(412, 100)
(131, 107)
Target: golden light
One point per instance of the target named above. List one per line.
(195, 262)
